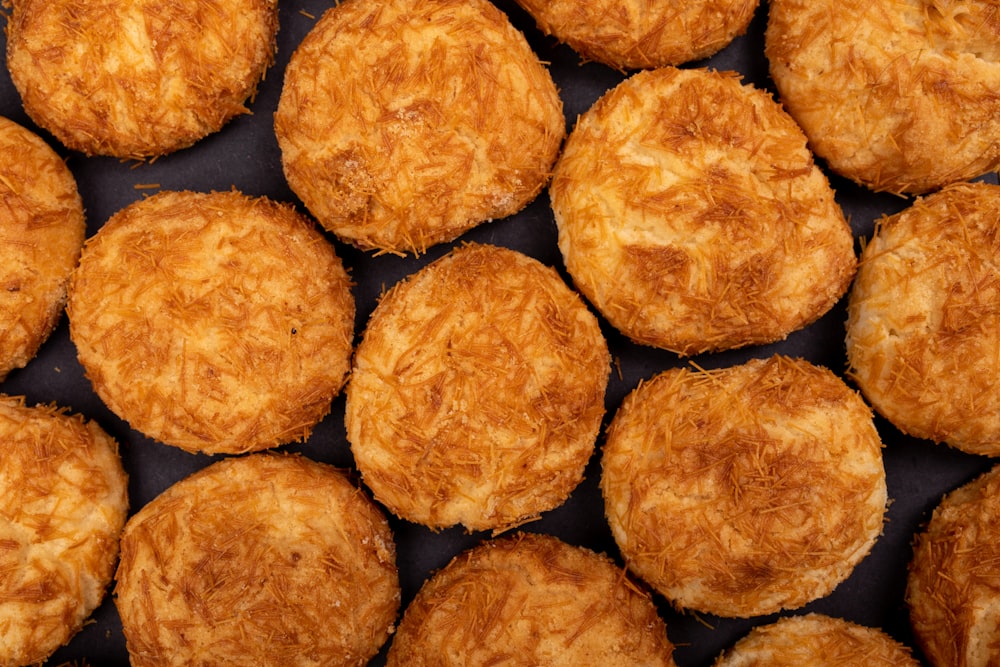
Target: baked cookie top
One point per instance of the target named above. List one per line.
(691, 214)
(923, 328)
(952, 589)
(403, 124)
(42, 228)
(816, 640)
(529, 600)
(634, 34)
(213, 322)
(138, 78)
(477, 391)
(745, 490)
(897, 95)
(63, 502)
(261, 559)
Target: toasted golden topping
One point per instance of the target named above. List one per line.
(815, 640)
(530, 600)
(213, 322)
(745, 490)
(898, 95)
(954, 582)
(691, 214)
(630, 34)
(41, 233)
(140, 78)
(403, 124)
(923, 330)
(477, 392)
(63, 502)
(258, 560)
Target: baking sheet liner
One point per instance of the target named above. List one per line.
(245, 156)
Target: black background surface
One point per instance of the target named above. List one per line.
(245, 156)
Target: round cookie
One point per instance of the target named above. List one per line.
(42, 228)
(263, 559)
(815, 640)
(923, 328)
(403, 124)
(897, 96)
(477, 392)
(952, 589)
(216, 323)
(691, 214)
(746, 490)
(633, 34)
(139, 78)
(530, 600)
(63, 502)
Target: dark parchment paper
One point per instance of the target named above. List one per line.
(245, 156)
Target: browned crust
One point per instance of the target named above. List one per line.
(213, 322)
(531, 600)
(815, 640)
(691, 214)
(42, 228)
(744, 490)
(953, 584)
(477, 391)
(633, 34)
(901, 96)
(142, 78)
(403, 124)
(263, 560)
(923, 329)
(63, 502)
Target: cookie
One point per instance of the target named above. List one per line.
(631, 34)
(63, 499)
(816, 640)
(263, 559)
(530, 600)
(901, 97)
(691, 214)
(405, 123)
(952, 588)
(42, 228)
(477, 391)
(213, 322)
(745, 490)
(923, 328)
(141, 78)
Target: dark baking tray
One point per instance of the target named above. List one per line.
(245, 156)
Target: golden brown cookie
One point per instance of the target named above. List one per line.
(923, 329)
(691, 214)
(529, 600)
(815, 640)
(214, 322)
(632, 34)
(63, 502)
(899, 95)
(138, 78)
(41, 233)
(477, 391)
(745, 490)
(404, 123)
(258, 560)
(953, 587)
